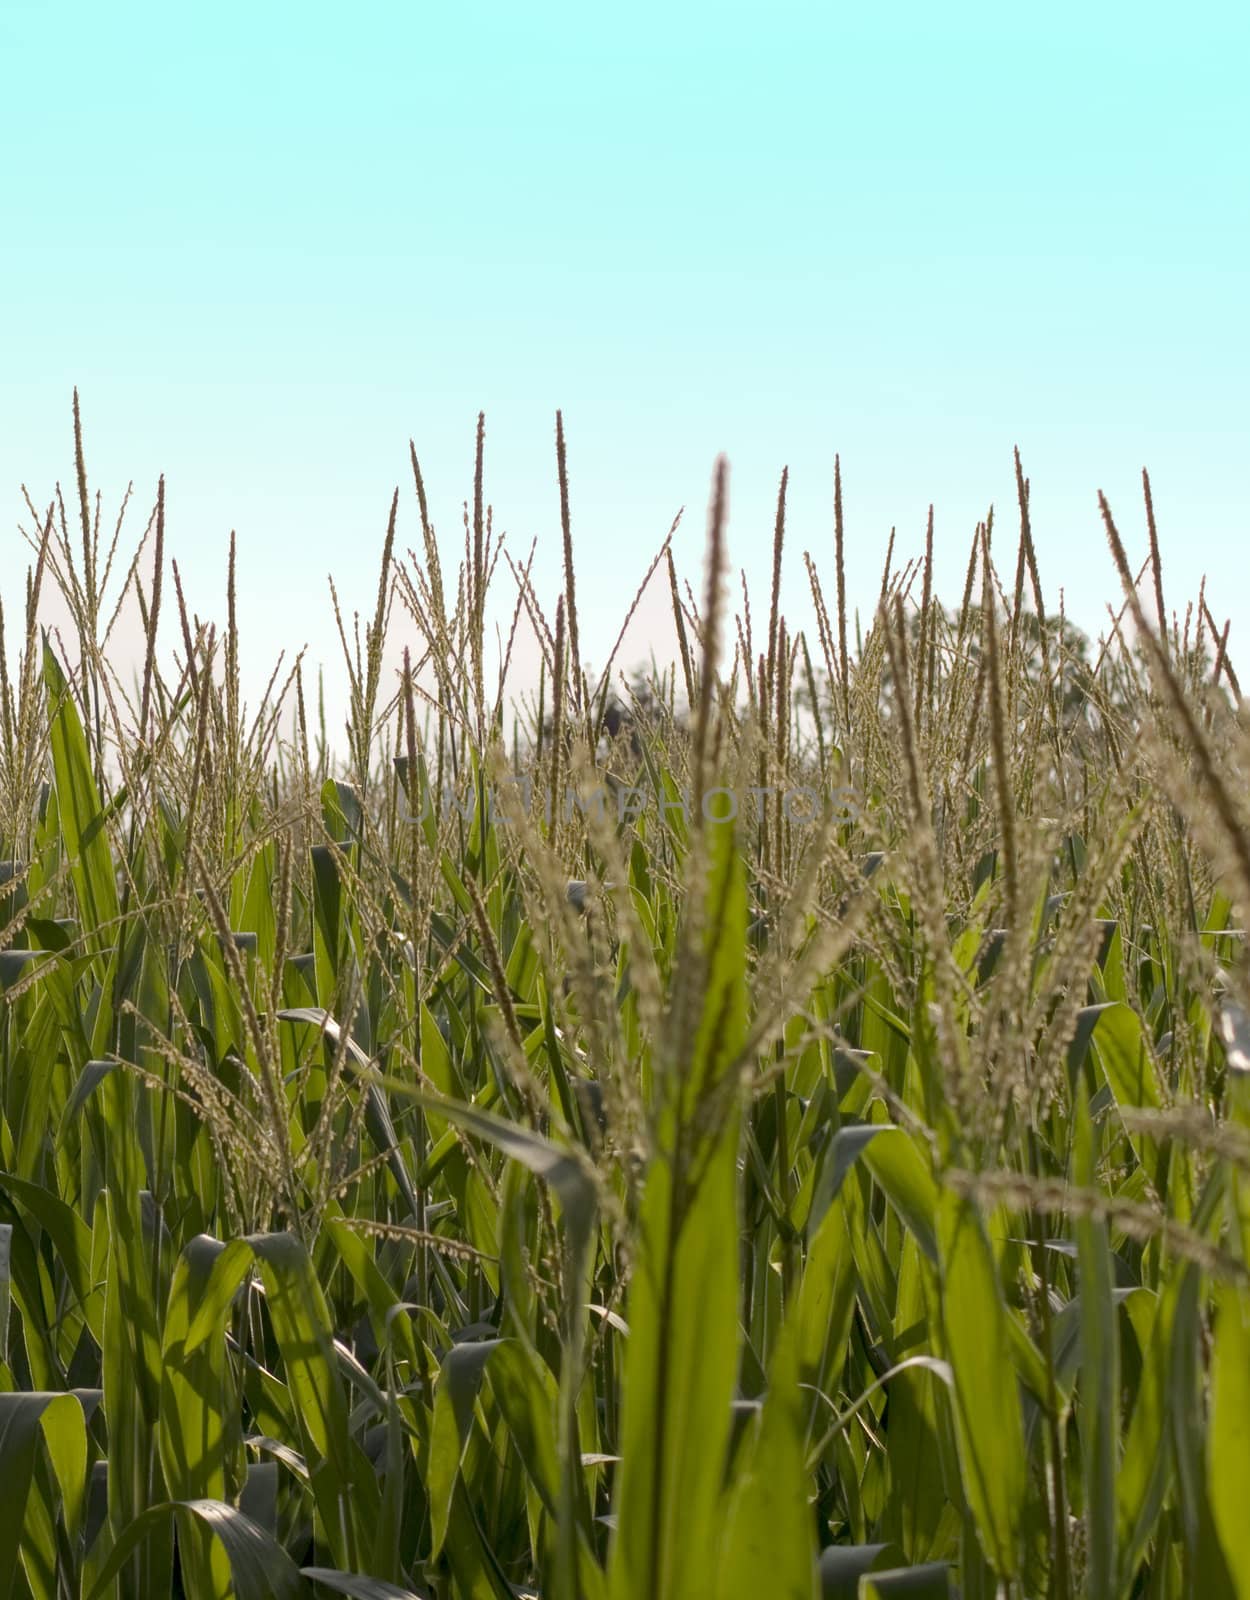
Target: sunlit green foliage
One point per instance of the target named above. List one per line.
(623, 1202)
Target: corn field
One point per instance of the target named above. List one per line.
(773, 1126)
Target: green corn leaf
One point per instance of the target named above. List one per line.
(1120, 1046)
(199, 1434)
(1100, 1372)
(24, 1418)
(895, 1161)
(928, 1582)
(79, 808)
(843, 1565)
(1146, 1464)
(566, 1172)
(358, 1588)
(346, 1490)
(682, 1356)
(768, 1529)
(377, 1114)
(454, 1401)
(260, 1568)
(988, 1420)
(131, 1361)
(1228, 1440)
(6, 1287)
(70, 1237)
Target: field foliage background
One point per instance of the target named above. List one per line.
(404, 1197)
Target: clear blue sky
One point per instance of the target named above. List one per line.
(270, 243)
